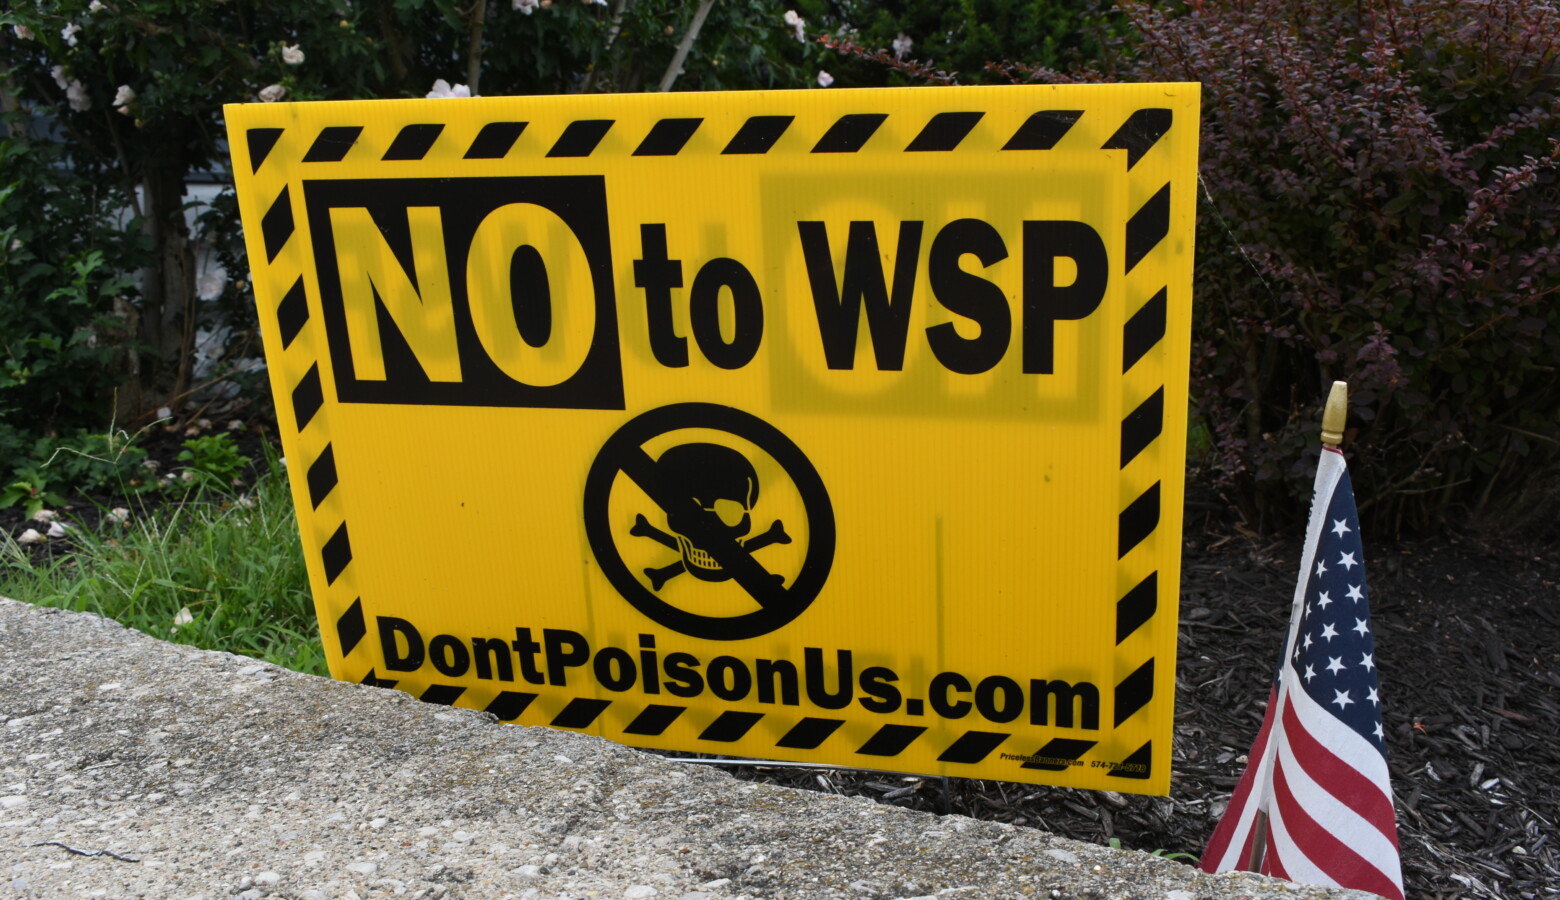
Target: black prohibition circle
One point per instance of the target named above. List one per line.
(624, 452)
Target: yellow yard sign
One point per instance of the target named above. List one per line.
(835, 426)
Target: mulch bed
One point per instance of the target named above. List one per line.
(1467, 630)
(1467, 636)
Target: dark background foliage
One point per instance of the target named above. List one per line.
(1379, 196)
(1381, 207)
(959, 38)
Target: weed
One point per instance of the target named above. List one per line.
(1173, 855)
(31, 490)
(215, 458)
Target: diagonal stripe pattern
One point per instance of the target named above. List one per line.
(760, 134)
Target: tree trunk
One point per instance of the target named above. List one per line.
(167, 327)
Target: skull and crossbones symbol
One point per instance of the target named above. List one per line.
(724, 488)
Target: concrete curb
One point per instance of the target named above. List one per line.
(208, 775)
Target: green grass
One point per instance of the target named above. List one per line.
(233, 561)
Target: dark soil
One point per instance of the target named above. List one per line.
(1467, 631)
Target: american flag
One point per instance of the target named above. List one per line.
(1315, 802)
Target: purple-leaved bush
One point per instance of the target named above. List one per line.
(1380, 206)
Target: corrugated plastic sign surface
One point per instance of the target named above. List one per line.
(834, 426)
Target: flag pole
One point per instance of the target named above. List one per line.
(1334, 416)
(1258, 842)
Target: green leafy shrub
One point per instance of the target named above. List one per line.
(215, 457)
(65, 302)
(1382, 208)
(93, 463)
(37, 472)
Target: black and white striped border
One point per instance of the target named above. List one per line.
(652, 720)
(944, 132)
(1146, 228)
(757, 135)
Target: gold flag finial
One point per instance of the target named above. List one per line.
(1336, 414)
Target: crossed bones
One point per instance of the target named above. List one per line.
(642, 528)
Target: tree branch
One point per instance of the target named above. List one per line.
(675, 68)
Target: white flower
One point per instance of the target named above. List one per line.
(23, 32)
(45, 515)
(76, 93)
(293, 56)
(69, 33)
(825, 79)
(119, 515)
(96, 6)
(31, 536)
(797, 25)
(58, 74)
(272, 93)
(183, 617)
(164, 412)
(211, 282)
(902, 45)
(442, 88)
(123, 98)
(526, 6)
(56, 530)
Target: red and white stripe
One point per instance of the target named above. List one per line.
(1329, 804)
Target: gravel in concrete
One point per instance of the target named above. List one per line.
(130, 767)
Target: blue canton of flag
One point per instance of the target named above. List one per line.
(1335, 654)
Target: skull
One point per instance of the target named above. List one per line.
(723, 485)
